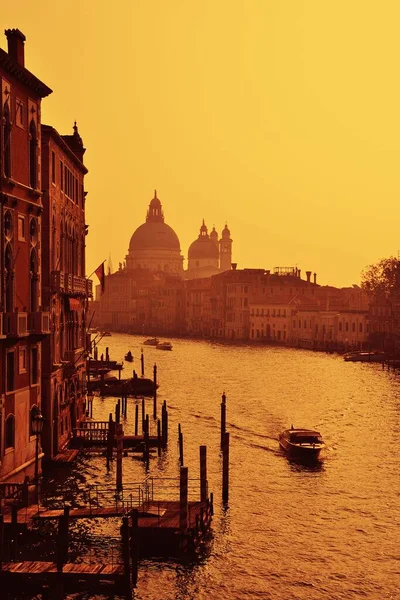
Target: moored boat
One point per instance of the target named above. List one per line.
(364, 357)
(304, 444)
(164, 346)
(151, 342)
(129, 356)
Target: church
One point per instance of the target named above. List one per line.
(147, 293)
(155, 246)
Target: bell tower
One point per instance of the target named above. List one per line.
(225, 250)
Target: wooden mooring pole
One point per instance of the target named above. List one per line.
(180, 442)
(143, 413)
(203, 473)
(225, 469)
(142, 362)
(110, 440)
(183, 500)
(159, 442)
(164, 424)
(223, 418)
(134, 545)
(120, 441)
(155, 391)
(125, 551)
(136, 418)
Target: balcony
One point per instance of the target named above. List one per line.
(15, 324)
(39, 323)
(74, 356)
(66, 283)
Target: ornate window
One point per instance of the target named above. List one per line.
(32, 155)
(7, 140)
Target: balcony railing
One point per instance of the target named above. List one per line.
(15, 324)
(39, 322)
(70, 284)
(73, 356)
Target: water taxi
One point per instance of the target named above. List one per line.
(151, 342)
(301, 443)
(164, 346)
(364, 356)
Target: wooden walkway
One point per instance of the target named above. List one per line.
(34, 568)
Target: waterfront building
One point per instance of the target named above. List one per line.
(65, 287)
(24, 313)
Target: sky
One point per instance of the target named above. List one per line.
(278, 117)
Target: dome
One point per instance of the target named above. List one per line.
(154, 234)
(203, 247)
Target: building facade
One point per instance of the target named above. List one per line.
(24, 313)
(65, 287)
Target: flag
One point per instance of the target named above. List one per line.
(101, 275)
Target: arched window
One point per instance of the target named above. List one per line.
(32, 155)
(9, 278)
(33, 273)
(7, 140)
(32, 414)
(9, 432)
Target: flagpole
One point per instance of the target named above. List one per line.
(88, 277)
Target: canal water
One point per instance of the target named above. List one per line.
(329, 531)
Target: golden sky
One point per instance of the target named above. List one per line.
(279, 117)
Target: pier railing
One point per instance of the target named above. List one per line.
(151, 491)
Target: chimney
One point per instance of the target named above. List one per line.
(315, 278)
(308, 273)
(299, 273)
(16, 40)
(234, 266)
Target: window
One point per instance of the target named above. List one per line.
(61, 176)
(360, 327)
(340, 325)
(353, 327)
(7, 140)
(34, 365)
(22, 359)
(10, 359)
(53, 167)
(21, 228)
(9, 432)
(347, 326)
(19, 113)
(32, 155)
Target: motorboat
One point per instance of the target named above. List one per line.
(151, 342)
(164, 346)
(129, 356)
(305, 444)
(364, 356)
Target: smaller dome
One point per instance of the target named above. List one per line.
(214, 235)
(204, 246)
(225, 232)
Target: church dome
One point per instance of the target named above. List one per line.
(203, 247)
(154, 234)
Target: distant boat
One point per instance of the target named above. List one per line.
(129, 356)
(151, 342)
(164, 346)
(364, 357)
(105, 333)
(305, 444)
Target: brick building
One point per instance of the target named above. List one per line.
(24, 315)
(65, 287)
